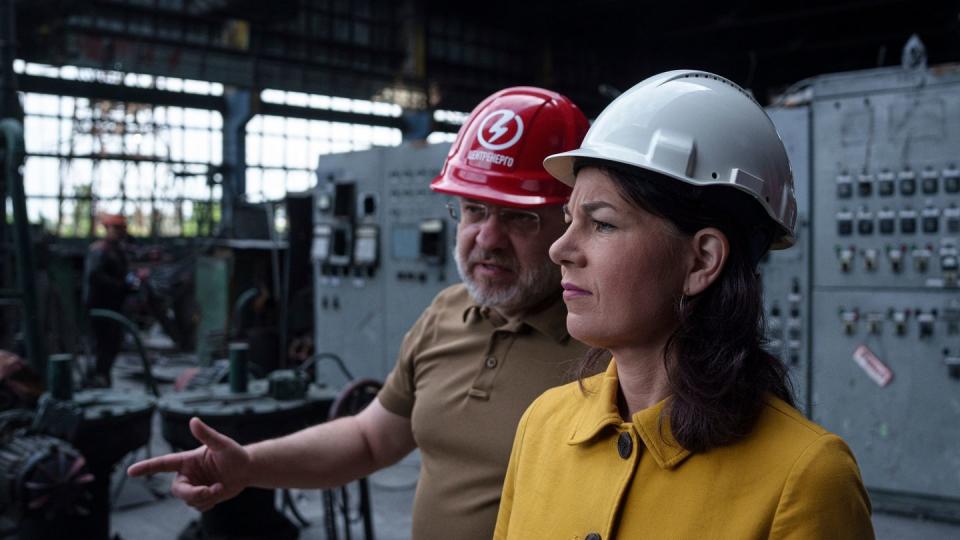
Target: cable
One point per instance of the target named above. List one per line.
(314, 360)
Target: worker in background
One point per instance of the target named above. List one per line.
(477, 356)
(106, 282)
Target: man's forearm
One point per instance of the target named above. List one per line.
(321, 456)
(333, 453)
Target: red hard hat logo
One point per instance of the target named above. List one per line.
(500, 129)
(498, 155)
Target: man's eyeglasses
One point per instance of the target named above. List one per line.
(520, 222)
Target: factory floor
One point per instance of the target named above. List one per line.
(143, 509)
(140, 515)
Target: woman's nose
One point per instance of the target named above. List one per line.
(562, 251)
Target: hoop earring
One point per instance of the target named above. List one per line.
(680, 308)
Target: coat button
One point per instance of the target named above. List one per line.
(490, 362)
(592, 536)
(624, 445)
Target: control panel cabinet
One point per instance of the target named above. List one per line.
(382, 249)
(885, 340)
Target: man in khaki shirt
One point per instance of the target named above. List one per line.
(472, 363)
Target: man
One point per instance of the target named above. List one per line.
(105, 287)
(479, 354)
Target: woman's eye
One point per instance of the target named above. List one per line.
(602, 226)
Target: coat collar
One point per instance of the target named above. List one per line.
(651, 424)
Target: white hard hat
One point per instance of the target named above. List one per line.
(699, 128)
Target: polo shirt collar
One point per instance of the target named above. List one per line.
(549, 318)
(600, 411)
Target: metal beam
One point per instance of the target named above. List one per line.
(238, 111)
(13, 155)
(118, 92)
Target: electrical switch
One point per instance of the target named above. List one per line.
(931, 220)
(775, 333)
(908, 182)
(846, 258)
(929, 181)
(952, 361)
(951, 180)
(870, 256)
(885, 183)
(874, 323)
(899, 318)
(844, 222)
(921, 259)
(886, 219)
(794, 298)
(864, 222)
(895, 254)
(951, 316)
(366, 246)
(949, 264)
(793, 329)
(925, 322)
(908, 221)
(793, 352)
(865, 185)
(844, 186)
(849, 319)
(951, 215)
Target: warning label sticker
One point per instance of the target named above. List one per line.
(873, 366)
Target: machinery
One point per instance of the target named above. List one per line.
(247, 411)
(885, 202)
(382, 248)
(868, 301)
(56, 462)
(44, 481)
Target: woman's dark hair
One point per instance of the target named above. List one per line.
(717, 368)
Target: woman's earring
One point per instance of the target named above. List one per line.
(682, 297)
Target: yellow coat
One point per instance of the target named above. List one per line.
(578, 471)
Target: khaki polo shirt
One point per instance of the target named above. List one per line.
(464, 377)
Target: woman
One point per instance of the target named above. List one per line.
(679, 188)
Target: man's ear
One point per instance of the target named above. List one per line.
(709, 249)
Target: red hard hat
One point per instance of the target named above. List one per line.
(115, 220)
(498, 155)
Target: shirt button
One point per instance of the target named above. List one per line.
(624, 445)
(592, 536)
(490, 362)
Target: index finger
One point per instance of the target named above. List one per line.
(167, 463)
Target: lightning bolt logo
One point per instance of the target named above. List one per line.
(497, 124)
(499, 128)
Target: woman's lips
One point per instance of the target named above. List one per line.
(572, 291)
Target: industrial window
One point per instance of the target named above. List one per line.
(282, 151)
(159, 164)
(86, 156)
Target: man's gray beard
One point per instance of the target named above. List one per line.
(532, 286)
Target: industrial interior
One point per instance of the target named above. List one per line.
(269, 166)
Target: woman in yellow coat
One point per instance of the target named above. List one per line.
(679, 188)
